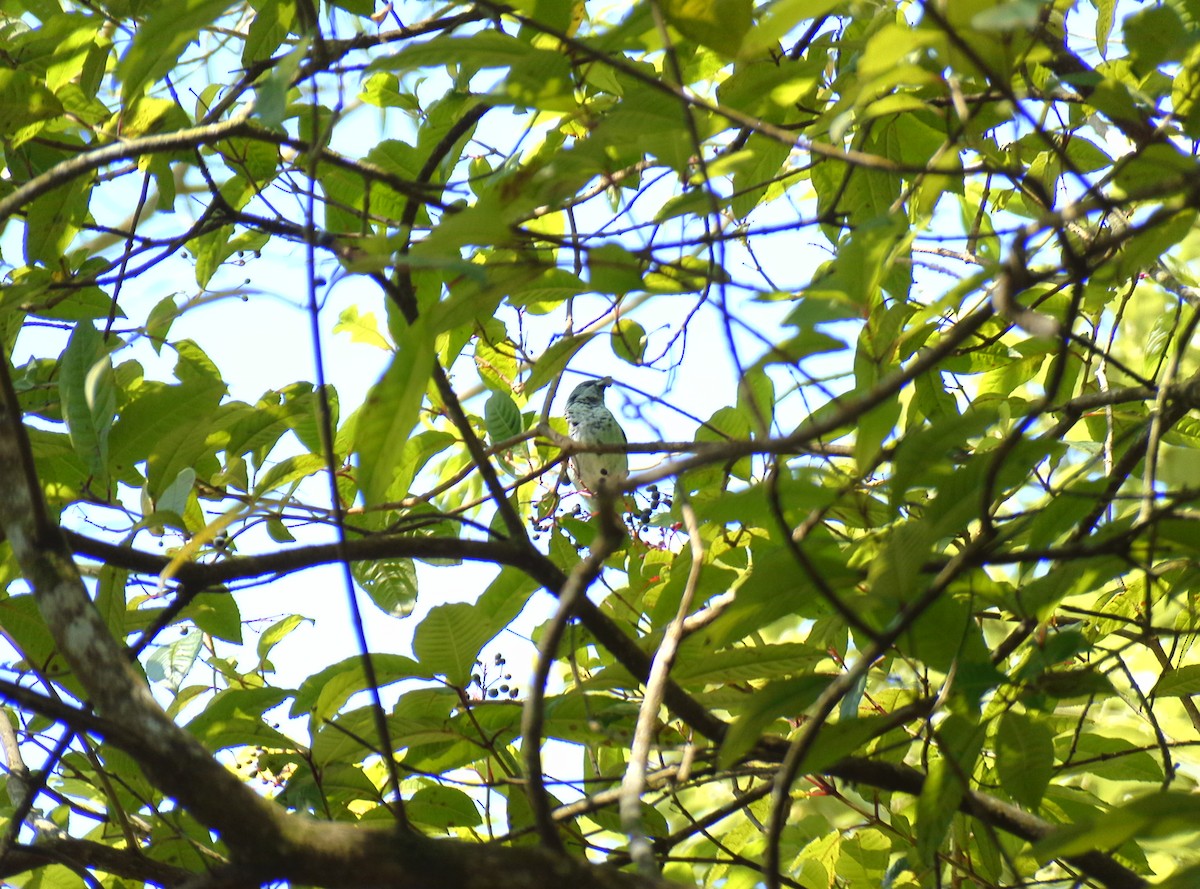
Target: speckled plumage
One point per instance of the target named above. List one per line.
(590, 422)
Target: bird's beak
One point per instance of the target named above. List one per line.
(605, 382)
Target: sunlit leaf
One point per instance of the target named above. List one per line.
(390, 412)
(161, 39)
(391, 584)
(1157, 815)
(720, 24)
(448, 640)
(502, 416)
(443, 807)
(88, 394)
(1024, 757)
(628, 340)
(325, 691)
(782, 698)
(170, 664)
(1181, 682)
(24, 100)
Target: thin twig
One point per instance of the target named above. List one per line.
(630, 807)
(571, 595)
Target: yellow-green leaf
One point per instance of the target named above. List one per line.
(717, 24)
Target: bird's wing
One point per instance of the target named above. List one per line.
(620, 429)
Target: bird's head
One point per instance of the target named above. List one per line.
(589, 392)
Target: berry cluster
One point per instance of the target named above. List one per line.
(493, 688)
(656, 501)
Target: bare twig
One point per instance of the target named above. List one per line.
(640, 850)
(571, 595)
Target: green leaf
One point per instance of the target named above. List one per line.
(57, 462)
(628, 340)
(541, 80)
(846, 737)
(170, 664)
(717, 24)
(24, 627)
(1156, 815)
(254, 431)
(780, 18)
(54, 219)
(1078, 683)
(382, 89)
(551, 362)
(24, 100)
(84, 304)
(547, 291)
(697, 665)
(324, 692)
(234, 718)
(390, 412)
(770, 90)
(165, 425)
(442, 807)
(89, 397)
(303, 403)
(960, 743)
(1104, 24)
(874, 428)
(216, 614)
(271, 25)
(1014, 15)
(271, 89)
(505, 597)
(1181, 879)
(159, 321)
(1157, 166)
(1024, 757)
(448, 641)
(756, 400)
(1115, 759)
(174, 497)
(863, 261)
(502, 417)
(775, 700)
(894, 572)
(753, 182)
(417, 451)
(1145, 248)
(287, 472)
(171, 26)
(110, 599)
(613, 269)
(1185, 92)
(391, 584)
(496, 359)
(486, 49)
(690, 203)
(214, 248)
(278, 531)
(1181, 682)
(277, 632)
(1153, 36)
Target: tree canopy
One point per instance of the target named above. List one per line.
(899, 302)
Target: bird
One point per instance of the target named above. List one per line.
(589, 422)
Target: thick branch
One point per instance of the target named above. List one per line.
(127, 863)
(1001, 815)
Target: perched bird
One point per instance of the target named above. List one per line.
(591, 423)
